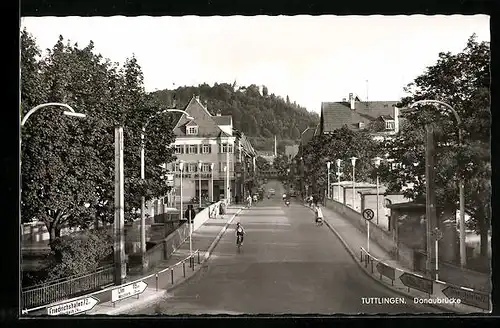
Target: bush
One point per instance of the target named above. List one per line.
(79, 253)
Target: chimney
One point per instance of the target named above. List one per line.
(351, 100)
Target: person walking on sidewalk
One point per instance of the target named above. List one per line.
(249, 201)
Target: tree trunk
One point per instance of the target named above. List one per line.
(483, 234)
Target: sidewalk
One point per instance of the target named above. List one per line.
(204, 239)
(353, 239)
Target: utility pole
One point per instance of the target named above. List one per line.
(430, 201)
(118, 226)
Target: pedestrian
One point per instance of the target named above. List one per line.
(237, 199)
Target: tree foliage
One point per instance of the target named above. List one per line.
(461, 80)
(259, 116)
(281, 164)
(68, 163)
(341, 144)
(79, 253)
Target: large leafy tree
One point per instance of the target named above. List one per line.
(341, 144)
(461, 80)
(281, 164)
(68, 164)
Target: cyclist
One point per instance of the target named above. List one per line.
(240, 232)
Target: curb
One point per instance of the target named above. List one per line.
(355, 258)
(219, 236)
(155, 298)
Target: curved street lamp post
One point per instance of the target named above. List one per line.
(463, 257)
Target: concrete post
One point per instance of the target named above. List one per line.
(119, 250)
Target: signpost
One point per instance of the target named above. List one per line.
(127, 291)
(387, 271)
(416, 282)
(469, 297)
(368, 215)
(74, 307)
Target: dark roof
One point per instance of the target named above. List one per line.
(207, 126)
(334, 115)
(223, 120)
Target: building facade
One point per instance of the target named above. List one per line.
(212, 153)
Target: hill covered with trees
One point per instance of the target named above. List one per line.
(255, 112)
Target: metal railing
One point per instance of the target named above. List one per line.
(60, 289)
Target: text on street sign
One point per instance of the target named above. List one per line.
(368, 214)
(129, 290)
(415, 282)
(73, 307)
(468, 297)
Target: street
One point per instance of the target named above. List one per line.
(286, 265)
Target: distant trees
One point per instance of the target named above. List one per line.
(260, 117)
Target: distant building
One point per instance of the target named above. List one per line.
(359, 115)
(210, 140)
(267, 155)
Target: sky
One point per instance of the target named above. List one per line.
(312, 59)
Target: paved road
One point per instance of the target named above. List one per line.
(287, 265)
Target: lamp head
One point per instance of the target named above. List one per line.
(328, 165)
(211, 166)
(339, 161)
(181, 166)
(70, 113)
(199, 165)
(353, 160)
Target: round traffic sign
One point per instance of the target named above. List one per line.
(437, 234)
(368, 214)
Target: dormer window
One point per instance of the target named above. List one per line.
(192, 130)
(361, 125)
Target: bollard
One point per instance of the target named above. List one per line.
(192, 258)
(172, 275)
(198, 257)
(156, 282)
(361, 256)
(184, 268)
(372, 265)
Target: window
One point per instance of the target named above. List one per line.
(176, 167)
(361, 125)
(206, 149)
(193, 167)
(192, 130)
(221, 167)
(179, 149)
(193, 149)
(389, 125)
(205, 167)
(229, 148)
(222, 148)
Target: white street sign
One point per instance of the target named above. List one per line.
(73, 307)
(126, 291)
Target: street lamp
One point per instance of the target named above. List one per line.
(463, 257)
(70, 112)
(143, 177)
(339, 174)
(353, 162)
(212, 181)
(328, 174)
(199, 180)
(376, 162)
